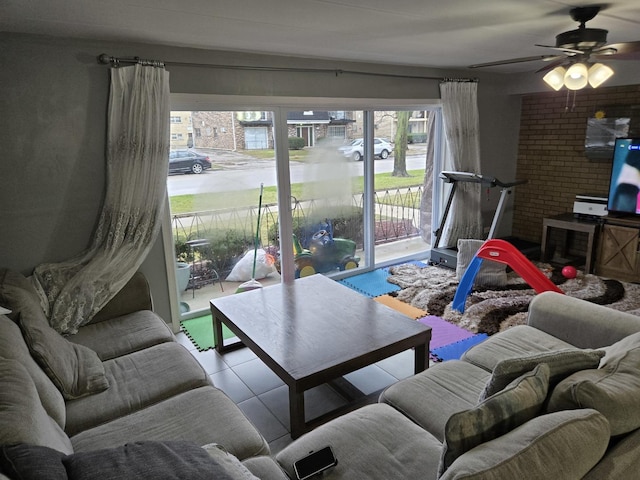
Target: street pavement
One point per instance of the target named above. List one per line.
(234, 171)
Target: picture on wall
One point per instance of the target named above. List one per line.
(605, 125)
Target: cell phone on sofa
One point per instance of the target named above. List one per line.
(314, 463)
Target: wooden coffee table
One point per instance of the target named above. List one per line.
(314, 331)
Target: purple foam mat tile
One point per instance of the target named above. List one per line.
(455, 350)
(442, 332)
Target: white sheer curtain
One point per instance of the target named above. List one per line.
(462, 131)
(137, 161)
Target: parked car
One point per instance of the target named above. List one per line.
(187, 161)
(355, 149)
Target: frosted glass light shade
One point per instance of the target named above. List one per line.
(598, 74)
(576, 76)
(555, 78)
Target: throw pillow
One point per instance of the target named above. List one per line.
(32, 462)
(76, 370)
(17, 294)
(518, 403)
(491, 273)
(562, 363)
(158, 460)
(613, 389)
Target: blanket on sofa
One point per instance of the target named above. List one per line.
(490, 310)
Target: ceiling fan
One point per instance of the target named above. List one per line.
(578, 49)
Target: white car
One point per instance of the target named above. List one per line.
(355, 149)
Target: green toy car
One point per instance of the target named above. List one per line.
(324, 254)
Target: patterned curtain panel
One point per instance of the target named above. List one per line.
(73, 291)
(462, 131)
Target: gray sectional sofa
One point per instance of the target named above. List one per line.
(122, 379)
(557, 398)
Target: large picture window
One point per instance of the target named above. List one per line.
(332, 200)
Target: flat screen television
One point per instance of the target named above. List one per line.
(624, 186)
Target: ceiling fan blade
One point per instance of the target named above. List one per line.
(552, 65)
(562, 49)
(515, 60)
(618, 51)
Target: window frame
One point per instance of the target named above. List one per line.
(279, 106)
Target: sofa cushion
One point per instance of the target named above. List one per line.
(22, 416)
(203, 415)
(562, 363)
(432, 396)
(265, 468)
(138, 380)
(621, 459)
(613, 389)
(543, 448)
(122, 335)
(492, 274)
(13, 347)
(158, 460)
(373, 442)
(518, 403)
(74, 369)
(135, 296)
(518, 341)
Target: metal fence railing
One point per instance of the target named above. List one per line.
(232, 230)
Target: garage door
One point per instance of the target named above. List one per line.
(255, 138)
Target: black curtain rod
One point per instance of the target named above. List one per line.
(115, 62)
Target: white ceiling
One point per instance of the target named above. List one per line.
(431, 33)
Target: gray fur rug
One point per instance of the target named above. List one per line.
(490, 310)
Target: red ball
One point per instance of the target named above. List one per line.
(569, 272)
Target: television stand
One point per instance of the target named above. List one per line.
(618, 248)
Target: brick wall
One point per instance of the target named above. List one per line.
(551, 153)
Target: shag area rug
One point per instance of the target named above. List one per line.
(490, 310)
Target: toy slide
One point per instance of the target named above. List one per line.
(501, 251)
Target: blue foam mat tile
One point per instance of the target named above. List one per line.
(455, 350)
(372, 284)
(418, 263)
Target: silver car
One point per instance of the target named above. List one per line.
(355, 149)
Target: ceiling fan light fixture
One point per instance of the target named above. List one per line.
(576, 76)
(555, 78)
(598, 74)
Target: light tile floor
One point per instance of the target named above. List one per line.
(260, 394)
(264, 398)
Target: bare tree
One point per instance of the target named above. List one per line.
(400, 145)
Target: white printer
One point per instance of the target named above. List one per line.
(590, 205)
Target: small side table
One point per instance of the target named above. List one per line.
(568, 222)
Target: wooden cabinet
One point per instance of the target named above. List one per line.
(618, 255)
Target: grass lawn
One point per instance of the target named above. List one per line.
(246, 198)
(270, 154)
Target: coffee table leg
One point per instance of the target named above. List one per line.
(296, 412)
(421, 357)
(218, 341)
